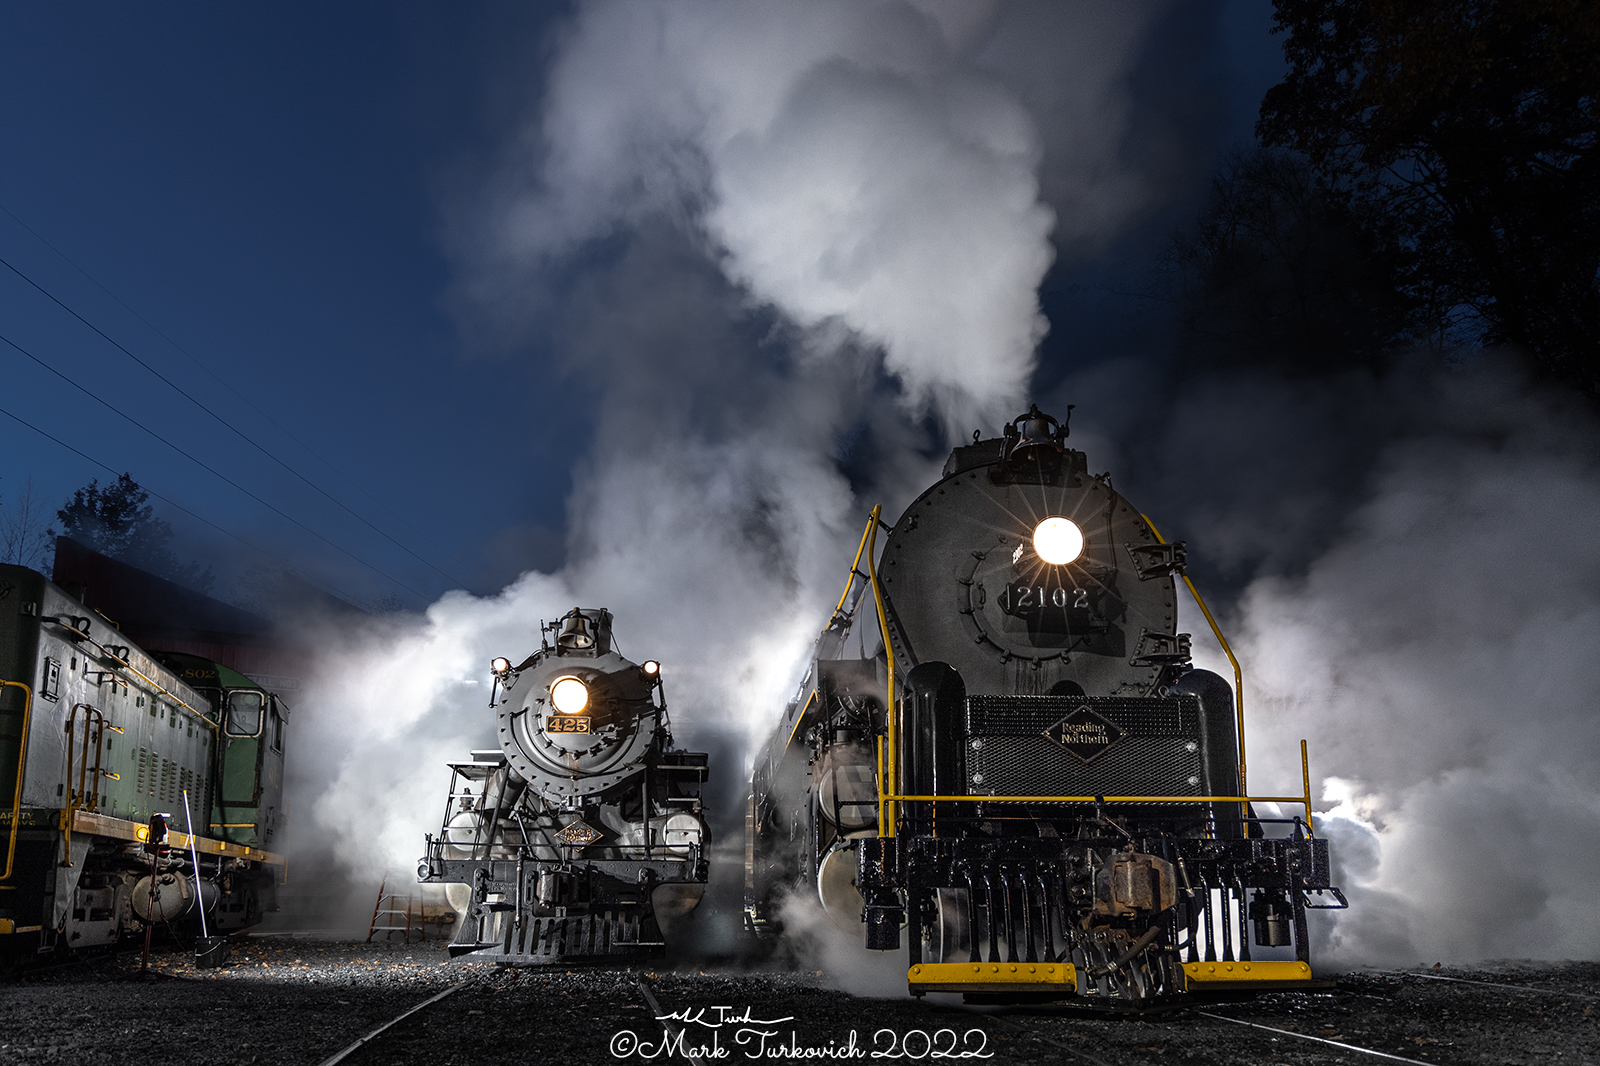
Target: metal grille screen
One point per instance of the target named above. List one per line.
(1158, 751)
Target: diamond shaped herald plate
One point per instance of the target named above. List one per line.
(1085, 734)
(578, 834)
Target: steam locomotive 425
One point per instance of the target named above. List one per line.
(581, 836)
(1027, 777)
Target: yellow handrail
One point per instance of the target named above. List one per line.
(855, 567)
(1301, 800)
(888, 777)
(855, 572)
(1305, 778)
(174, 697)
(798, 719)
(1238, 675)
(22, 764)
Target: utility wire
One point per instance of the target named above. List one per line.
(225, 423)
(209, 469)
(169, 501)
(220, 381)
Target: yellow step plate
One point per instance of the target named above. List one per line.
(993, 977)
(1203, 975)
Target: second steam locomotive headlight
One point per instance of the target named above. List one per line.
(1058, 540)
(651, 667)
(569, 695)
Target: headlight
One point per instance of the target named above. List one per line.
(501, 665)
(569, 695)
(651, 667)
(1058, 540)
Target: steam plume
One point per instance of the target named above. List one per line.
(796, 249)
(805, 229)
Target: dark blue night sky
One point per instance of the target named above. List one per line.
(268, 186)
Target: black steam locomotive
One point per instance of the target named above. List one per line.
(581, 837)
(1027, 777)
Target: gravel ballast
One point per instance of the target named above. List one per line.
(295, 1000)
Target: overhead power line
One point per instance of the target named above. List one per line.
(235, 430)
(209, 469)
(169, 501)
(242, 398)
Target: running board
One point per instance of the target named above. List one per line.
(1058, 977)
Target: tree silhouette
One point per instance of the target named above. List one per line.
(1277, 270)
(1471, 128)
(119, 521)
(25, 539)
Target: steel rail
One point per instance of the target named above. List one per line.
(340, 1056)
(1485, 984)
(664, 1018)
(1317, 1039)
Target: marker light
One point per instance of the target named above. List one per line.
(1058, 540)
(501, 665)
(651, 667)
(569, 695)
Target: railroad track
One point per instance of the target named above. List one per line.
(1080, 1055)
(1241, 1032)
(662, 1017)
(1258, 1030)
(344, 1053)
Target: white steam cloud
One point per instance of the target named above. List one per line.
(782, 230)
(1439, 658)
(860, 166)
(858, 176)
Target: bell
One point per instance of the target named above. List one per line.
(1034, 438)
(575, 635)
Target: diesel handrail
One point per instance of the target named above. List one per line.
(22, 765)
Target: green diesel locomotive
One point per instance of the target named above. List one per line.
(102, 745)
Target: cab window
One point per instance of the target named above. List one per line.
(277, 727)
(244, 714)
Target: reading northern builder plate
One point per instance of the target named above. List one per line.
(1085, 734)
(578, 834)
